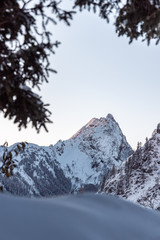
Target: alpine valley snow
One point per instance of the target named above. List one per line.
(80, 162)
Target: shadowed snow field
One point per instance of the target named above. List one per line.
(81, 217)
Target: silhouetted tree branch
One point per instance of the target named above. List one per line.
(25, 46)
(24, 58)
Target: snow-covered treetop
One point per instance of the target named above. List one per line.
(158, 128)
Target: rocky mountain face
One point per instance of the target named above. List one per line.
(70, 165)
(138, 178)
(94, 149)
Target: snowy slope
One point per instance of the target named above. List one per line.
(94, 149)
(81, 217)
(37, 173)
(138, 179)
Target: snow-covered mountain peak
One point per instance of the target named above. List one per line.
(99, 127)
(94, 149)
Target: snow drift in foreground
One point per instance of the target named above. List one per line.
(81, 217)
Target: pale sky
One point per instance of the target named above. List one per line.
(98, 73)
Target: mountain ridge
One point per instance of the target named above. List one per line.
(138, 178)
(69, 165)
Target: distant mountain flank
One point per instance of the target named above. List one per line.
(37, 174)
(138, 178)
(68, 166)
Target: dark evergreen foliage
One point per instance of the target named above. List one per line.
(25, 47)
(133, 18)
(24, 63)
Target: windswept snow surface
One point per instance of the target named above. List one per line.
(81, 217)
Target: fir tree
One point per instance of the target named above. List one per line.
(25, 48)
